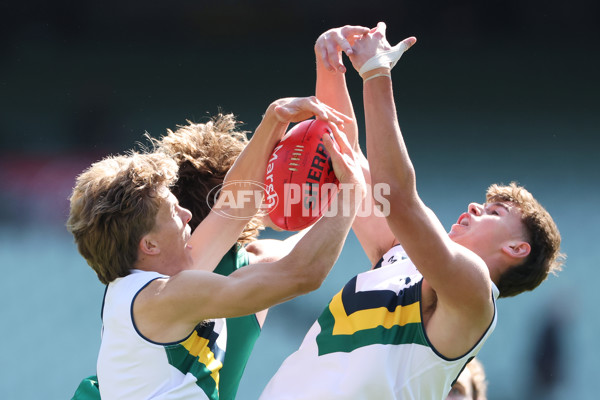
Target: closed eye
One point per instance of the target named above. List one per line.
(495, 208)
(492, 210)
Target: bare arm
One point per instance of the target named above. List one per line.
(169, 308)
(370, 228)
(458, 276)
(222, 226)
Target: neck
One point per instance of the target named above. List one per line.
(146, 263)
(496, 266)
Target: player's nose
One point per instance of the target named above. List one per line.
(186, 215)
(475, 208)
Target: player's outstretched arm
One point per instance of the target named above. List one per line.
(222, 226)
(168, 308)
(370, 227)
(331, 86)
(457, 275)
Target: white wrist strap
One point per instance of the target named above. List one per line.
(376, 76)
(387, 59)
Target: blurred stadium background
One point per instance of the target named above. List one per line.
(493, 92)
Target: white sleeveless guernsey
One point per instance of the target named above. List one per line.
(369, 343)
(132, 367)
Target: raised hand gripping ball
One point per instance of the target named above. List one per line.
(299, 181)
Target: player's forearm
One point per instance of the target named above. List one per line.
(389, 161)
(370, 226)
(301, 271)
(252, 162)
(322, 244)
(243, 179)
(331, 89)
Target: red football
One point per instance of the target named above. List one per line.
(300, 182)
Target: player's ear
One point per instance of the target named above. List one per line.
(149, 246)
(517, 249)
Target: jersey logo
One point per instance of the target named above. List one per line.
(391, 260)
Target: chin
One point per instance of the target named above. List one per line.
(456, 238)
(452, 235)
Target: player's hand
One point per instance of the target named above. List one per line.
(296, 109)
(329, 46)
(375, 44)
(346, 164)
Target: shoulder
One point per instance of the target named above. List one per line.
(129, 286)
(136, 277)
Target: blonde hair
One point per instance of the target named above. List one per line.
(204, 154)
(113, 205)
(542, 235)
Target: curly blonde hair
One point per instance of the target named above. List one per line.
(204, 154)
(113, 205)
(543, 237)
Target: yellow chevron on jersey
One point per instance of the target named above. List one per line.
(370, 343)
(200, 356)
(199, 347)
(355, 319)
(371, 318)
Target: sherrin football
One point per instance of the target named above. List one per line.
(299, 181)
